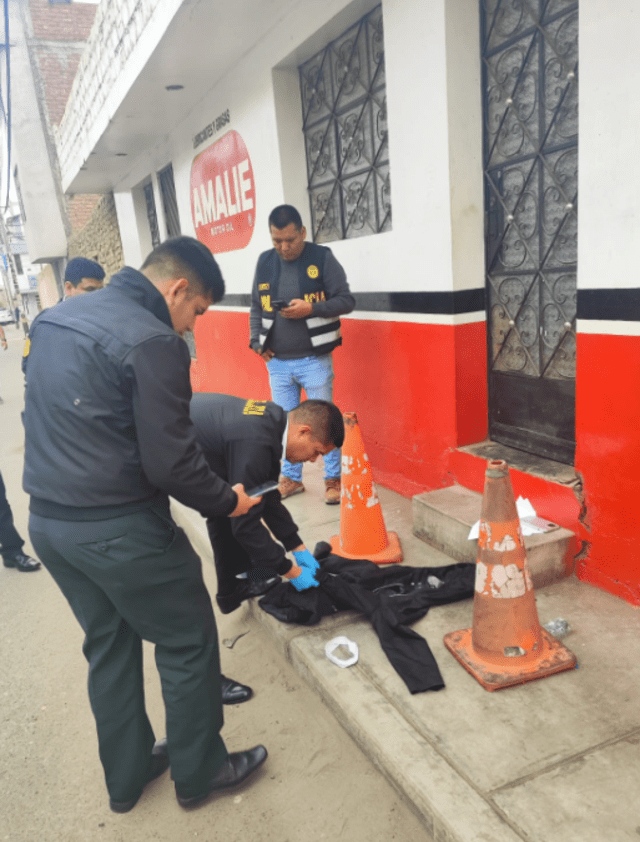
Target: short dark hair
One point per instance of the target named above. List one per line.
(81, 267)
(284, 215)
(186, 257)
(324, 418)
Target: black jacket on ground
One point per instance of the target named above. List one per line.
(107, 409)
(242, 442)
(390, 596)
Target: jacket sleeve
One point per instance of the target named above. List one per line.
(278, 519)
(252, 463)
(171, 458)
(339, 298)
(255, 316)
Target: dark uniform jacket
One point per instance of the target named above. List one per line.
(243, 442)
(27, 341)
(107, 409)
(392, 597)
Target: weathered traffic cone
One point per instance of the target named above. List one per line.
(506, 645)
(362, 530)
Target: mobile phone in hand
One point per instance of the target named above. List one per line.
(279, 304)
(265, 488)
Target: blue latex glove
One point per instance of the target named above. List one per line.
(305, 559)
(305, 580)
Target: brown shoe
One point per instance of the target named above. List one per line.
(288, 487)
(332, 491)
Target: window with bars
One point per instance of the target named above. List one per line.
(152, 215)
(344, 109)
(169, 201)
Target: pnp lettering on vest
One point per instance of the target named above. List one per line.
(223, 195)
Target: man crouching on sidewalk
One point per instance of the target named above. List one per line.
(245, 441)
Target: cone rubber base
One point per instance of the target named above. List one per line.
(392, 554)
(555, 657)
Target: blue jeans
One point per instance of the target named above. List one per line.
(287, 379)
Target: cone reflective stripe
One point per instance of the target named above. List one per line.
(506, 644)
(362, 530)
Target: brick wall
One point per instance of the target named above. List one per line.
(100, 238)
(58, 65)
(80, 208)
(62, 21)
(58, 35)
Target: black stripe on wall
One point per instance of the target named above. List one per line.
(436, 303)
(614, 304)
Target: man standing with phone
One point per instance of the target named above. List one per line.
(299, 293)
(244, 441)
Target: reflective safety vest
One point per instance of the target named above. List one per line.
(324, 334)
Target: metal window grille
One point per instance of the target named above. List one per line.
(530, 67)
(169, 201)
(152, 216)
(344, 110)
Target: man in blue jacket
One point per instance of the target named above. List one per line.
(107, 439)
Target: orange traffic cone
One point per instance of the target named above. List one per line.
(506, 645)
(362, 529)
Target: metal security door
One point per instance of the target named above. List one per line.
(530, 100)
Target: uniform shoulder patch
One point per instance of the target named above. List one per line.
(254, 408)
(27, 347)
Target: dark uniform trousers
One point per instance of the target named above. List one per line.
(129, 579)
(230, 557)
(10, 540)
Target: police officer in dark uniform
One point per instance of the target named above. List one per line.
(107, 440)
(80, 277)
(245, 441)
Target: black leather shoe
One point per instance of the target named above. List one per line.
(236, 769)
(23, 563)
(234, 693)
(245, 589)
(159, 764)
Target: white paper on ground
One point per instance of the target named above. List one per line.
(525, 510)
(334, 644)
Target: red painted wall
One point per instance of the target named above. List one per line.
(418, 390)
(472, 418)
(225, 362)
(608, 458)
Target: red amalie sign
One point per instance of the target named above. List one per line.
(223, 195)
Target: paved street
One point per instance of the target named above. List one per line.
(316, 784)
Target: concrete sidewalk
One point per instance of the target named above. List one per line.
(554, 759)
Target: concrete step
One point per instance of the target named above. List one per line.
(443, 518)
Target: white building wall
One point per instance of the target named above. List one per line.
(44, 226)
(609, 230)
(426, 53)
(128, 225)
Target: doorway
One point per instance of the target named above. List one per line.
(530, 137)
